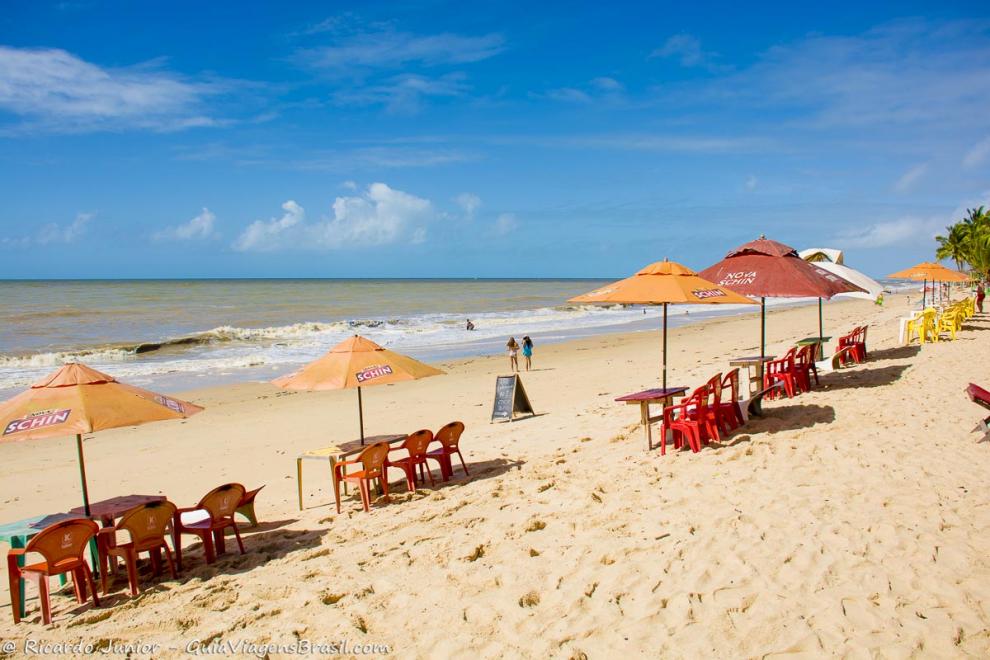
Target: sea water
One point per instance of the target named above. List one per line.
(179, 334)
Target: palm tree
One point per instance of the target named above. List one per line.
(953, 245)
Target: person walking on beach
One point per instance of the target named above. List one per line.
(980, 295)
(513, 349)
(527, 351)
(470, 326)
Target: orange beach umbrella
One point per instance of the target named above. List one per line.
(929, 270)
(77, 399)
(355, 363)
(664, 283)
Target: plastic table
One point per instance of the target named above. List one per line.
(17, 534)
(107, 511)
(815, 340)
(643, 399)
(751, 362)
(334, 453)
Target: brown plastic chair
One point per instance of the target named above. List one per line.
(372, 461)
(209, 520)
(449, 438)
(63, 546)
(416, 444)
(147, 526)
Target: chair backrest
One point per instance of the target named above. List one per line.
(373, 458)
(803, 357)
(731, 380)
(416, 443)
(700, 397)
(65, 540)
(781, 365)
(715, 390)
(148, 521)
(223, 500)
(450, 434)
(978, 395)
(788, 358)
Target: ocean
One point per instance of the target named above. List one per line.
(181, 334)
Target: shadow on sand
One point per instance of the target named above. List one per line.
(878, 377)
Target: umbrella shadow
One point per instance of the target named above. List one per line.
(789, 417)
(843, 380)
(895, 353)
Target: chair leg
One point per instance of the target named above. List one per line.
(171, 564)
(177, 544)
(207, 539)
(463, 464)
(132, 576)
(78, 585)
(43, 597)
(336, 493)
(88, 574)
(156, 561)
(237, 535)
(365, 494)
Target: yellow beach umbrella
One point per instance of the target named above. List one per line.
(77, 399)
(355, 363)
(664, 283)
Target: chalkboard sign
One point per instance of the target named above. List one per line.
(510, 399)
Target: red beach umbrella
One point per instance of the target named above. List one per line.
(769, 269)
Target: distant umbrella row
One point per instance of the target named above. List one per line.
(759, 269)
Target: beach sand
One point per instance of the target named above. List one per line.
(852, 520)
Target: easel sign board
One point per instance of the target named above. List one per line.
(510, 399)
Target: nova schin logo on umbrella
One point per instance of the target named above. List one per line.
(171, 404)
(37, 420)
(369, 373)
(738, 278)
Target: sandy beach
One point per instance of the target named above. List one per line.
(850, 521)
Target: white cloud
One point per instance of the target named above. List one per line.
(505, 224)
(607, 84)
(907, 180)
(380, 215)
(51, 89)
(389, 49)
(54, 232)
(469, 202)
(977, 155)
(201, 227)
(405, 93)
(687, 50)
(265, 236)
(568, 95)
(751, 183)
(886, 234)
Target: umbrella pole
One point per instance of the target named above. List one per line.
(763, 335)
(361, 415)
(924, 291)
(82, 473)
(821, 332)
(665, 346)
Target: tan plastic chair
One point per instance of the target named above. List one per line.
(63, 548)
(146, 526)
(416, 445)
(209, 520)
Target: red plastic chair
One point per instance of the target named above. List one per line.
(209, 520)
(730, 415)
(146, 526)
(708, 415)
(449, 438)
(372, 461)
(62, 547)
(684, 421)
(855, 341)
(415, 444)
(781, 371)
(804, 367)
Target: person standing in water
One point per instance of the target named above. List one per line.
(513, 349)
(527, 351)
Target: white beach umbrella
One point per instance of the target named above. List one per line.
(832, 260)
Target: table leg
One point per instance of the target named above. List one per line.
(19, 542)
(644, 412)
(299, 480)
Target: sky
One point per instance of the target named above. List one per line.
(495, 139)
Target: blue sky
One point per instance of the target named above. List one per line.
(423, 139)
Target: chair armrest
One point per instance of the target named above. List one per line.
(16, 552)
